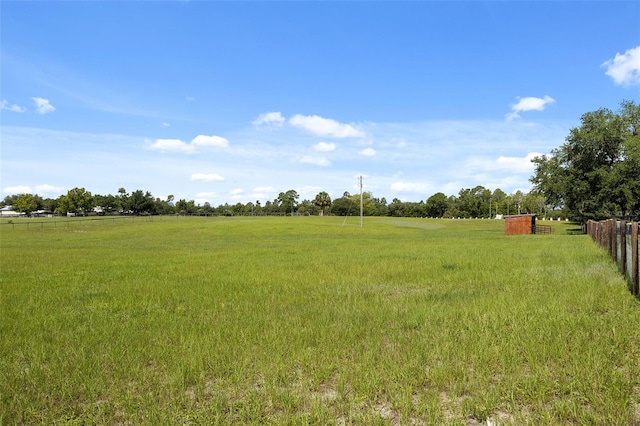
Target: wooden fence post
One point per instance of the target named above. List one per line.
(613, 242)
(635, 285)
(623, 247)
(607, 236)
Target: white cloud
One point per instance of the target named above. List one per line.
(49, 189)
(18, 189)
(445, 155)
(325, 146)
(215, 141)
(318, 161)
(325, 126)
(165, 124)
(367, 152)
(15, 108)
(43, 106)
(624, 69)
(260, 193)
(529, 104)
(206, 195)
(517, 164)
(237, 191)
(409, 187)
(178, 145)
(310, 191)
(200, 201)
(206, 177)
(274, 118)
(172, 145)
(504, 163)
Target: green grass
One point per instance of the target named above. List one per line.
(312, 321)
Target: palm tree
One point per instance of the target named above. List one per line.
(322, 200)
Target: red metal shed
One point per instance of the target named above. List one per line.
(520, 224)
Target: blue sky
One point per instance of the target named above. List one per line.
(238, 101)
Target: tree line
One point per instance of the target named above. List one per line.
(471, 202)
(595, 174)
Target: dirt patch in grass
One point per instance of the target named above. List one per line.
(412, 224)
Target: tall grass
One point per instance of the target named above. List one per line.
(313, 321)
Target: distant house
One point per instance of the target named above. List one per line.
(42, 213)
(520, 224)
(7, 211)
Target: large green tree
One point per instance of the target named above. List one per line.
(437, 205)
(140, 203)
(397, 208)
(474, 202)
(497, 204)
(595, 174)
(344, 206)
(108, 203)
(370, 205)
(288, 201)
(25, 203)
(77, 201)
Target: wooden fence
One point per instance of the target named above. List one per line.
(544, 229)
(620, 238)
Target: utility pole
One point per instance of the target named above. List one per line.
(361, 203)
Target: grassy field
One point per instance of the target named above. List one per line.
(310, 320)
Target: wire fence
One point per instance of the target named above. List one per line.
(64, 222)
(620, 238)
(73, 222)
